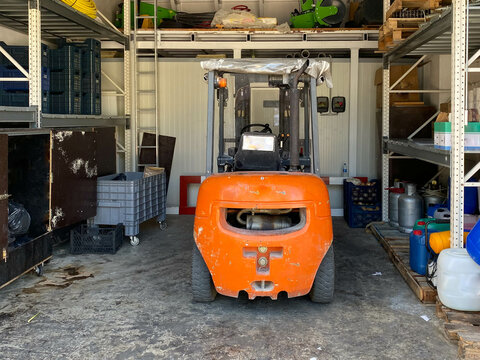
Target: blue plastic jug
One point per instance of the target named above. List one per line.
(473, 243)
(419, 252)
(470, 198)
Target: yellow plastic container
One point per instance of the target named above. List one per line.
(441, 240)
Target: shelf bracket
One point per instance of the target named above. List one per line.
(407, 72)
(423, 125)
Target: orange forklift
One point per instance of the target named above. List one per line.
(262, 223)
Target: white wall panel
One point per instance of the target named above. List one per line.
(182, 113)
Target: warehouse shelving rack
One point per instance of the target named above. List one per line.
(52, 20)
(456, 31)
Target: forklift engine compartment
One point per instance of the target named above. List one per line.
(266, 219)
(263, 223)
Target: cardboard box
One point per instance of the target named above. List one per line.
(410, 82)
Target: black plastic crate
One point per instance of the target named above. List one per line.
(66, 58)
(7, 72)
(65, 80)
(68, 102)
(20, 98)
(20, 54)
(96, 240)
(92, 83)
(91, 104)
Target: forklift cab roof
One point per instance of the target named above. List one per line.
(319, 69)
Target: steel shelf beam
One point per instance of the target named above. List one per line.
(422, 150)
(66, 121)
(13, 114)
(58, 21)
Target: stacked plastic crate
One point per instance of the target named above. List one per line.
(66, 84)
(15, 93)
(91, 77)
(361, 203)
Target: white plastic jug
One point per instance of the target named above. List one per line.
(458, 280)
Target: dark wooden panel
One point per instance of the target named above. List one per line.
(25, 257)
(106, 150)
(166, 149)
(73, 188)
(3, 195)
(28, 177)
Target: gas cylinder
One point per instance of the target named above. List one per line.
(393, 196)
(410, 208)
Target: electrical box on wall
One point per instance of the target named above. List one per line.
(322, 104)
(338, 104)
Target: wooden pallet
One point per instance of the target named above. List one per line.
(463, 328)
(412, 5)
(397, 246)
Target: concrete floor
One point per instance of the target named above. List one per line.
(138, 305)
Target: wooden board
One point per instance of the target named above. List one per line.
(397, 246)
(463, 328)
(106, 151)
(3, 195)
(166, 149)
(73, 178)
(412, 5)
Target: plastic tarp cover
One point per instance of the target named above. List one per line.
(318, 69)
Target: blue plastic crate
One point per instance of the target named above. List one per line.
(362, 194)
(20, 98)
(91, 63)
(359, 216)
(65, 80)
(66, 58)
(92, 84)
(91, 104)
(67, 102)
(20, 54)
(21, 85)
(132, 201)
(92, 45)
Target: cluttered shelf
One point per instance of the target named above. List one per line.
(58, 21)
(430, 34)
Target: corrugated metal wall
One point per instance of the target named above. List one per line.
(182, 104)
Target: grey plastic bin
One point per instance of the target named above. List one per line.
(131, 202)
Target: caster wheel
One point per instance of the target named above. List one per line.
(39, 270)
(134, 241)
(163, 225)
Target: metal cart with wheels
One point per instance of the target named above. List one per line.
(131, 200)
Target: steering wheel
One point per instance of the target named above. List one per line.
(266, 128)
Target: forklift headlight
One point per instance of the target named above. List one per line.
(259, 143)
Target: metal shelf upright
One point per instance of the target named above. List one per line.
(53, 20)
(456, 31)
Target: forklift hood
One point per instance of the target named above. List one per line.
(318, 69)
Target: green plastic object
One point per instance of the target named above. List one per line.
(145, 9)
(312, 15)
(432, 226)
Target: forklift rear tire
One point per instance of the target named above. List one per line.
(323, 285)
(203, 289)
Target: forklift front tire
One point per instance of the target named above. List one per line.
(323, 285)
(203, 289)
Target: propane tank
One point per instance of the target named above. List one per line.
(393, 197)
(432, 196)
(410, 208)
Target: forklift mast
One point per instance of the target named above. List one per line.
(290, 97)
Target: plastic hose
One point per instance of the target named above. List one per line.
(86, 7)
